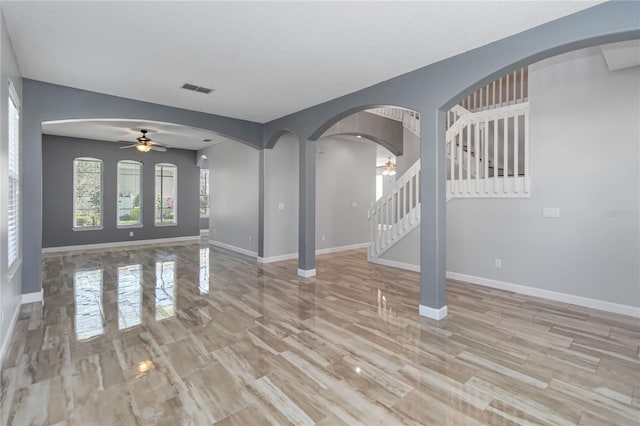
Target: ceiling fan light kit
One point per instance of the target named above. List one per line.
(145, 144)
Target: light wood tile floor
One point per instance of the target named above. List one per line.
(195, 335)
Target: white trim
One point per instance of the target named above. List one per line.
(395, 264)
(88, 228)
(433, 313)
(9, 335)
(306, 273)
(279, 258)
(120, 244)
(342, 248)
(32, 297)
(233, 248)
(602, 305)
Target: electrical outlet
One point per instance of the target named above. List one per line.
(250, 238)
(323, 237)
(281, 206)
(131, 233)
(214, 230)
(498, 263)
(550, 212)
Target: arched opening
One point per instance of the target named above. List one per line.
(545, 211)
(367, 179)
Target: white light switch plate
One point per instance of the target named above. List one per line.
(354, 204)
(280, 206)
(550, 212)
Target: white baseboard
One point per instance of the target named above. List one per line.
(602, 305)
(280, 258)
(306, 273)
(233, 248)
(395, 264)
(32, 297)
(433, 313)
(290, 256)
(7, 338)
(342, 248)
(120, 244)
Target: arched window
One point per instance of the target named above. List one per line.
(129, 194)
(166, 194)
(87, 194)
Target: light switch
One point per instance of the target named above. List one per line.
(354, 204)
(280, 206)
(550, 212)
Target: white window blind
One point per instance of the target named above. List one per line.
(14, 178)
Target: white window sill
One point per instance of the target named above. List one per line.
(165, 224)
(88, 228)
(129, 226)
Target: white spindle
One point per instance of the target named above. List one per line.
(505, 164)
(495, 155)
(500, 90)
(526, 152)
(516, 137)
(452, 159)
(468, 156)
(521, 84)
(459, 146)
(515, 93)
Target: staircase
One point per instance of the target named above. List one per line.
(487, 146)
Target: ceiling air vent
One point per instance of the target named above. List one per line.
(195, 88)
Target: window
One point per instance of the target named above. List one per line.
(204, 192)
(166, 187)
(87, 193)
(129, 296)
(165, 289)
(13, 169)
(88, 298)
(129, 193)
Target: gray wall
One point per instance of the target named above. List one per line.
(10, 281)
(585, 148)
(233, 218)
(345, 173)
(57, 198)
(281, 186)
(411, 154)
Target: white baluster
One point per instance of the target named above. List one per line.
(505, 165)
(495, 155)
(516, 137)
(459, 146)
(515, 94)
(467, 186)
(526, 151)
(485, 154)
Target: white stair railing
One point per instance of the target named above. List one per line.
(488, 154)
(396, 213)
(410, 119)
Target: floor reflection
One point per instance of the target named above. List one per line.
(204, 271)
(129, 296)
(88, 298)
(165, 289)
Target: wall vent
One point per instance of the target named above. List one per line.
(195, 88)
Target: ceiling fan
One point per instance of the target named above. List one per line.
(144, 144)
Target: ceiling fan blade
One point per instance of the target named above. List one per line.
(129, 146)
(159, 148)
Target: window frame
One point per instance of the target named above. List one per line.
(88, 228)
(175, 195)
(14, 234)
(140, 192)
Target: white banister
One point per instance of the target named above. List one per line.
(396, 213)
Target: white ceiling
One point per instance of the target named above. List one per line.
(264, 59)
(169, 134)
